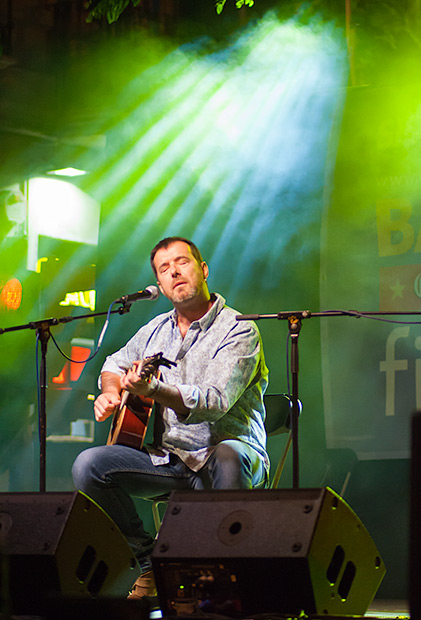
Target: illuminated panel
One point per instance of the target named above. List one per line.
(63, 377)
(11, 294)
(82, 299)
(58, 209)
(80, 351)
(79, 355)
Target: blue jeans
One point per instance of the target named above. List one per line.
(110, 475)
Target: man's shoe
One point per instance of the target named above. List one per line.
(143, 586)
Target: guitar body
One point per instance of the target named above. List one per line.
(130, 421)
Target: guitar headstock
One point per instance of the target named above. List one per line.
(153, 362)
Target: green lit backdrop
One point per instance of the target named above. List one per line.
(283, 140)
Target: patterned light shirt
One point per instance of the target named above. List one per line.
(220, 373)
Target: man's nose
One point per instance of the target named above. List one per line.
(174, 270)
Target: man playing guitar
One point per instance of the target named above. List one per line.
(210, 420)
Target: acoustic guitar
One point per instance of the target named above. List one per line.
(130, 421)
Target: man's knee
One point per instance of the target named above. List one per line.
(82, 469)
(230, 451)
(236, 465)
(230, 466)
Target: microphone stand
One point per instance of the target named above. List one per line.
(295, 322)
(43, 332)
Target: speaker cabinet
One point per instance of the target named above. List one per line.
(238, 553)
(60, 544)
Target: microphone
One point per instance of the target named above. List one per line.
(150, 292)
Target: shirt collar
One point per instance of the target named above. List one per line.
(207, 319)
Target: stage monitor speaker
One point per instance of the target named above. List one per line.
(60, 545)
(238, 553)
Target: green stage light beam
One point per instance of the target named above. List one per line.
(256, 114)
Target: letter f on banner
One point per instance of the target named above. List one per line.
(391, 365)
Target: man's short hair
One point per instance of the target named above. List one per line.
(165, 243)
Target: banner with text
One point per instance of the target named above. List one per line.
(371, 262)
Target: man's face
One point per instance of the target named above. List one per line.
(179, 275)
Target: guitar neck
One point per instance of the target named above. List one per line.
(126, 393)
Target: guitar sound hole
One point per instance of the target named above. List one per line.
(136, 406)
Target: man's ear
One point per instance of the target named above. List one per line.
(160, 287)
(205, 270)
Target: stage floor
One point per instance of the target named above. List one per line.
(388, 609)
(379, 610)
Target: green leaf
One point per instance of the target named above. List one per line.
(112, 9)
(219, 6)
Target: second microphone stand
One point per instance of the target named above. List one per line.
(294, 320)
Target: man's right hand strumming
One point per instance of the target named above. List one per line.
(105, 405)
